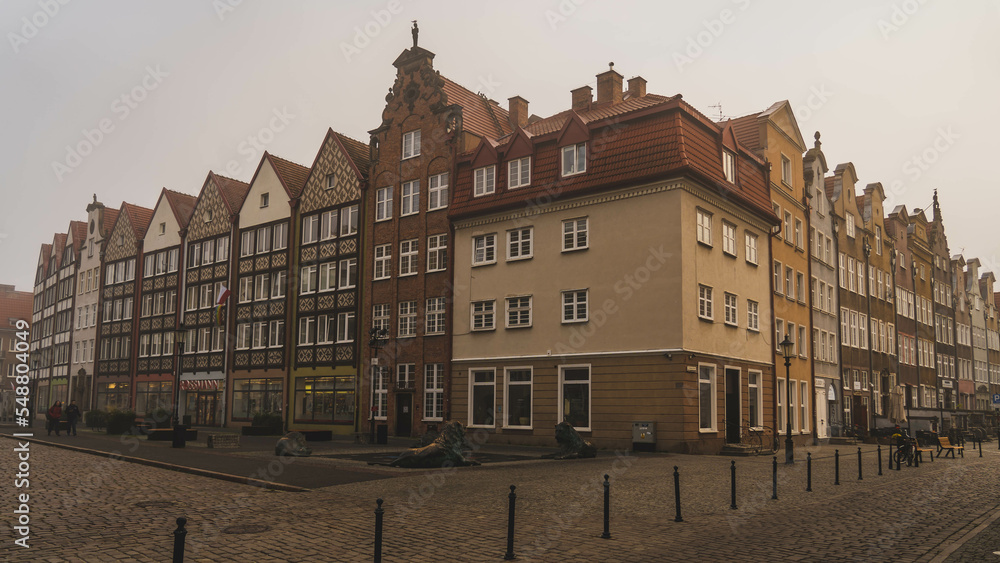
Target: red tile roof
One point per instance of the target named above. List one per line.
(79, 231)
(357, 151)
(140, 218)
(182, 206)
(110, 216)
(14, 305)
(479, 115)
(291, 175)
(555, 123)
(46, 254)
(747, 131)
(233, 191)
(58, 244)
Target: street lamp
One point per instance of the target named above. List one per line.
(179, 430)
(377, 338)
(787, 351)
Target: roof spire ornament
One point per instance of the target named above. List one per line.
(415, 31)
(817, 144)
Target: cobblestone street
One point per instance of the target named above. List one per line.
(92, 508)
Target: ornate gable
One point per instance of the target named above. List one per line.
(210, 218)
(122, 243)
(330, 160)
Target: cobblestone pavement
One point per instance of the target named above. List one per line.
(89, 508)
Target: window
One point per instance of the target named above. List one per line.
(878, 240)
(706, 398)
(328, 276)
(850, 225)
(407, 319)
(308, 281)
(434, 392)
(519, 172)
(704, 220)
(753, 315)
(383, 261)
(245, 291)
(331, 181)
(777, 277)
(781, 418)
(276, 334)
(410, 202)
(437, 192)
(380, 316)
(575, 234)
(408, 257)
(279, 280)
(730, 309)
(779, 333)
(172, 258)
(348, 220)
(346, 327)
(574, 159)
(307, 331)
(380, 377)
(328, 225)
(324, 329)
(348, 273)
(705, 302)
(519, 244)
(755, 399)
(729, 166)
(519, 311)
(148, 265)
(246, 243)
(574, 306)
(798, 234)
(786, 170)
(729, 238)
(383, 204)
(517, 397)
(803, 352)
(788, 228)
(789, 288)
(435, 316)
(800, 287)
(485, 180)
(574, 396)
(437, 253)
(484, 249)
(262, 291)
(482, 393)
(310, 229)
(206, 296)
(264, 200)
(483, 315)
(411, 144)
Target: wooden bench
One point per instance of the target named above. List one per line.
(223, 440)
(945, 444)
(920, 452)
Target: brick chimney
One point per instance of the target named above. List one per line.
(636, 87)
(518, 110)
(609, 86)
(582, 97)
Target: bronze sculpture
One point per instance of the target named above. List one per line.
(447, 450)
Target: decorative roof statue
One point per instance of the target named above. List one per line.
(415, 31)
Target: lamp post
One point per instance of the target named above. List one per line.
(787, 351)
(916, 343)
(377, 338)
(179, 430)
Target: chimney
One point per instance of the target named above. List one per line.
(582, 97)
(636, 87)
(609, 86)
(518, 110)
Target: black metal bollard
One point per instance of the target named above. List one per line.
(809, 472)
(899, 460)
(179, 534)
(732, 480)
(379, 513)
(836, 467)
(677, 495)
(980, 447)
(890, 455)
(510, 526)
(774, 478)
(859, 465)
(879, 449)
(607, 509)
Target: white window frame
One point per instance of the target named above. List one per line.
(383, 204)
(515, 305)
(728, 238)
(407, 327)
(530, 384)
(573, 160)
(411, 144)
(712, 382)
(409, 203)
(731, 309)
(408, 254)
(705, 302)
(573, 304)
(483, 246)
(576, 234)
(753, 315)
(382, 262)
(703, 222)
(437, 191)
(517, 239)
(473, 384)
(482, 315)
(484, 180)
(519, 172)
(435, 316)
(437, 252)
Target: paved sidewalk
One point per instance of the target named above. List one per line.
(98, 509)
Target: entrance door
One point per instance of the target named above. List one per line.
(860, 416)
(733, 419)
(821, 412)
(404, 414)
(205, 404)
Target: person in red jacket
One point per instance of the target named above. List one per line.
(54, 414)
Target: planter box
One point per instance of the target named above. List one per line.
(167, 434)
(261, 431)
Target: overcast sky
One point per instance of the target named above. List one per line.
(906, 90)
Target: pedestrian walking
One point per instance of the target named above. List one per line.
(72, 415)
(54, 414)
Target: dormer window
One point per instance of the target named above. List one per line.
(574, 159)
(208, 216)
(485, 180)
(264, 200)
(411, 144)
(331, 181)
(519, 172)
(729, 166)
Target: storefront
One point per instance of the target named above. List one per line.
(153, 395)
(112, 395)
(325, 402)
(256, 396)
(203, 400)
